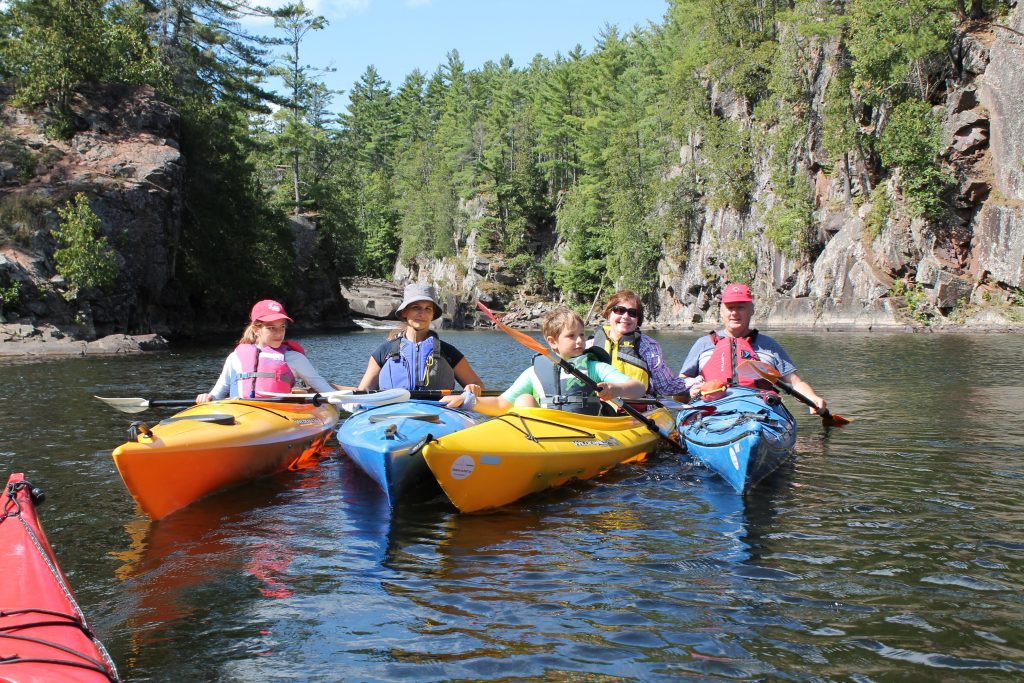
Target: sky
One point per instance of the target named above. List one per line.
(397, 36)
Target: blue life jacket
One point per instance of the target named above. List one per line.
(421, 365)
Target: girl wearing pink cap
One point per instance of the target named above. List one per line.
(716, 356)
(264, 362)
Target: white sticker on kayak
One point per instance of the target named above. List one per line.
(463, 467)
(734, 450)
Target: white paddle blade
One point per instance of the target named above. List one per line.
(380, 398)
(126, 405)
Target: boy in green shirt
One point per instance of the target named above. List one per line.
(545, 384)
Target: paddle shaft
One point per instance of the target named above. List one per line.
(581, 376)
(770, 374)
(788, 388)
(438, 394)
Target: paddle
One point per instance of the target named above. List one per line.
(137, 405)
(755, 369)
(542, 348)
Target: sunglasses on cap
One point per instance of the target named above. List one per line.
(622, 310)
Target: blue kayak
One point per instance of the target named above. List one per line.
(744, 435)
(387, 441)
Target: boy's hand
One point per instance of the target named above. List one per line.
(606, 391)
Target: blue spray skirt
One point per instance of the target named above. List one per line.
(744, 436)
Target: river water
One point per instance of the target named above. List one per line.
(891, 549)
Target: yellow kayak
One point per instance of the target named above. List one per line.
(213, 446)
(532, 449)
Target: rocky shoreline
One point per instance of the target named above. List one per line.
(20, 340)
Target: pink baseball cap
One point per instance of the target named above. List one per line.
(736, 293)
(267, 311)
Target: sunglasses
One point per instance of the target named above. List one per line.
(622, 310)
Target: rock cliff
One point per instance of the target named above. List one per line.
(964, 271)
(125, 157)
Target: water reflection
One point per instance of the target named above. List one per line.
(886, 549)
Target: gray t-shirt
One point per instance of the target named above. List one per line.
(766, 348)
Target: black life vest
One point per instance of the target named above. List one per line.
(563, 391)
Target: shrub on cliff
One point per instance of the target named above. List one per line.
(83, 258)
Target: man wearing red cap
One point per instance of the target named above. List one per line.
(717, 355)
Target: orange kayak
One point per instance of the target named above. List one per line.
(43, 634)
(214, 446)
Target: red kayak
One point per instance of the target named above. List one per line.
(43, 633)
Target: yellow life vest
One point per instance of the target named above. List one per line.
(625, 354)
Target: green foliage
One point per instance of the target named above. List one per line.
(878, 215)
(899, 48)
(729, 163)
(235, 247)
(82, 258)
(582, 268)
(841, 129)
(912, 142)
(582, 147)
(681, 215)
(10, 297)
(915, 298)
(740, 261)
(791, 219)
(59, 46)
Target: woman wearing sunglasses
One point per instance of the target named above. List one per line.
(633, 352)
(264, 362)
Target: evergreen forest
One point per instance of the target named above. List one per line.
(565, 170)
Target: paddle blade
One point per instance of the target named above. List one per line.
(756, 369)
(832, 420)
(126, 405)
(521, 337)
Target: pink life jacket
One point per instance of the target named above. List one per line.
(269, 374)
(728, 354)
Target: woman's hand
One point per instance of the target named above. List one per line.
(204, 398)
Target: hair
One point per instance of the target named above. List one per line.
(621, 297)
(559, 319)
(250, 335)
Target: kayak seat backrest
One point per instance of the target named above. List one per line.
(214, 418)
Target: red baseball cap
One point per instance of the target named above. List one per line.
(736, 293)
(267, 311)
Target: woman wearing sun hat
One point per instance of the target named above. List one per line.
(633, 352)
(414, 357)
(264, 362)
(716, 356)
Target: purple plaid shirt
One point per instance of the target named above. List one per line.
(664, 382)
